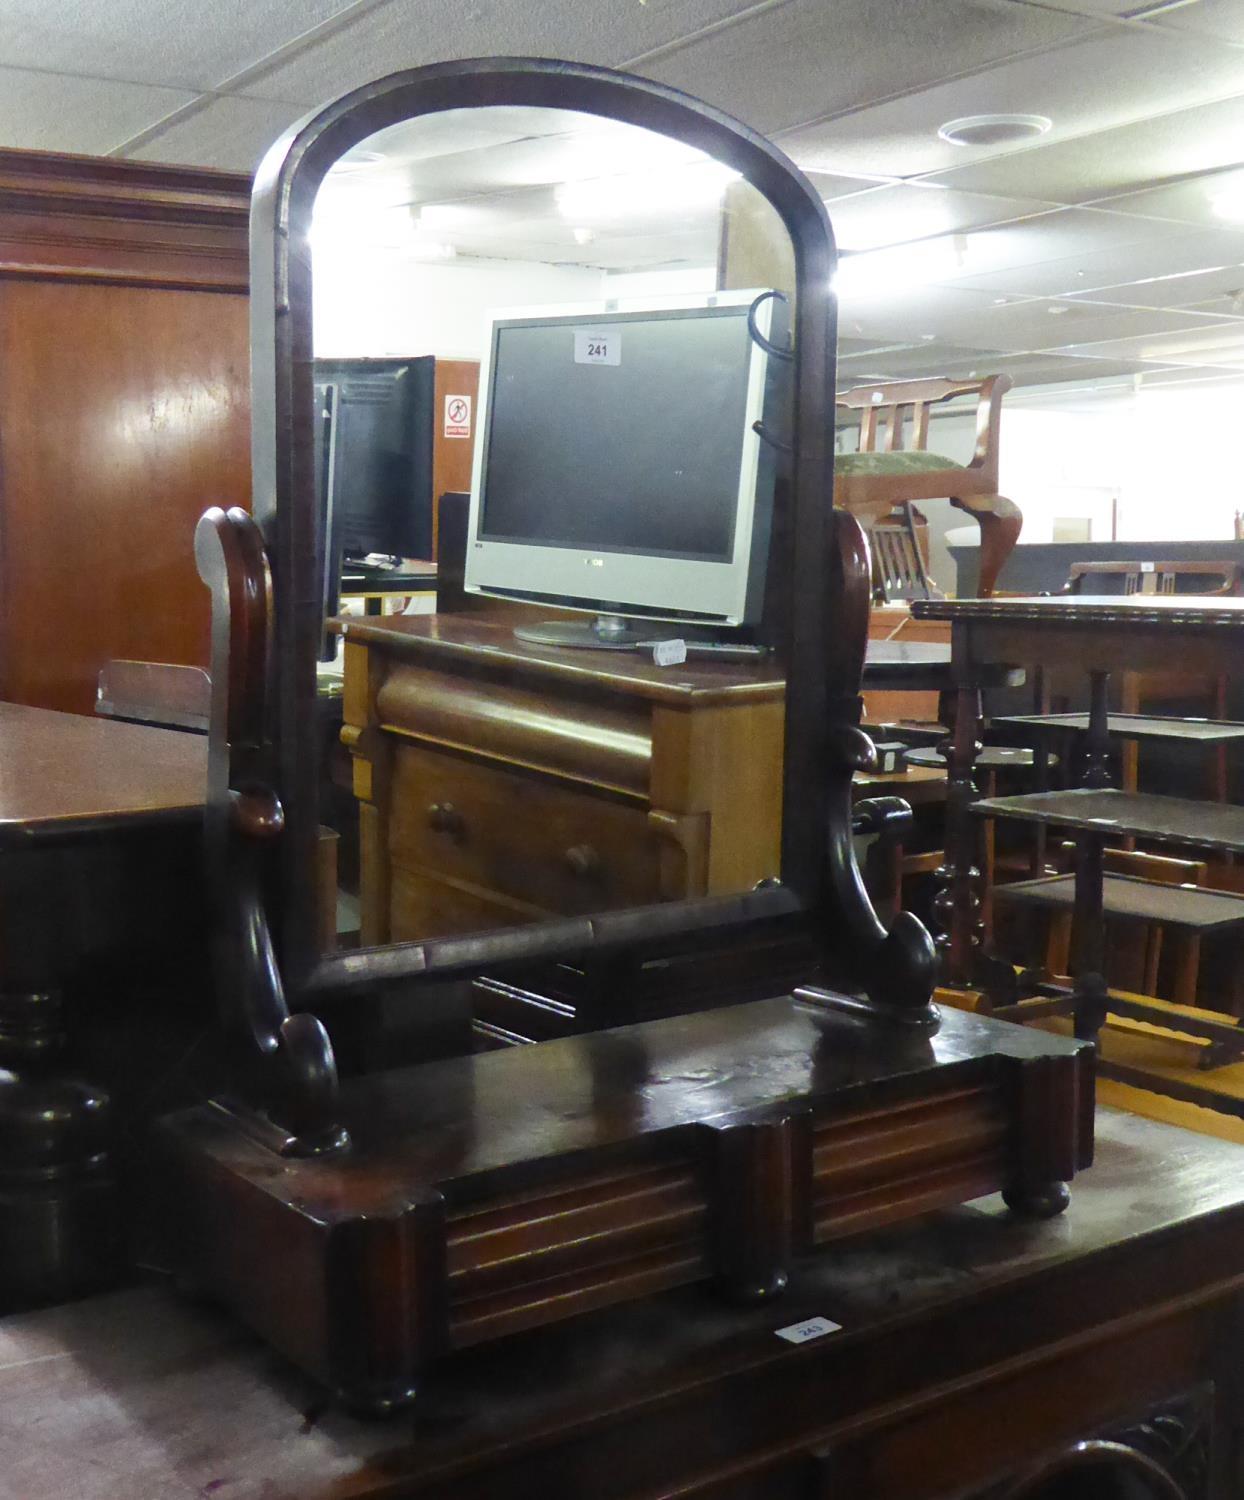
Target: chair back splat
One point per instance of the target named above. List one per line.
(893, 465)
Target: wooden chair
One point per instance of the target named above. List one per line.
(876, 478)
(1182, 577)
(899, 561)
(165, 694)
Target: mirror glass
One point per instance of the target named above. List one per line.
(552, 418)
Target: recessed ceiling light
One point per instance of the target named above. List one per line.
(1055, 309)
(993, 130)
(1229, 203)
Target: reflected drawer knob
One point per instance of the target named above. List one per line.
(444, 817)
(583, 861)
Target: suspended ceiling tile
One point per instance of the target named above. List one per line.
(852, 348)
(406, 33)
(227, 132)
(1051, 253)
(1220, 347)
(1128, 158)
(1156, 375)
(807, 59)
(1048, 369)
(1109, 268)
(1189, 202)
(909, 359)
(50, 112)
(1148, 72)
(829, 185)
(1097, 9)
(1019, 327)
(179, 44)
(913, 313)
(1202, 290)
(1223, 19)
(891, 215)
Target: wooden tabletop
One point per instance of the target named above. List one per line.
(142, 1396)
(1166, 612)
(467, 639)
(451, 641)
(62, 775)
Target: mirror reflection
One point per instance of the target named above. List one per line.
(552, 415)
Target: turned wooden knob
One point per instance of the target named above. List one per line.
(583, 861)
(444, 817)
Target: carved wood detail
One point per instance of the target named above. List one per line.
(90, 219)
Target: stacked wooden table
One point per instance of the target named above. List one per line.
(1099, 636)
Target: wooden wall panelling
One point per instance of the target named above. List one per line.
(124, 411)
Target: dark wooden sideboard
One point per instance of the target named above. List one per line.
(963, 1357)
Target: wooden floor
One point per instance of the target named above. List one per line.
(1166, 1056)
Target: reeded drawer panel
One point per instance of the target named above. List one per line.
(524, 837)
(607, 743)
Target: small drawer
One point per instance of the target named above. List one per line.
(528, 838)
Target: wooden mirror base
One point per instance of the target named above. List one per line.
(488, 1194)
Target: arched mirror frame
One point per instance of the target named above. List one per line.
(818, 875)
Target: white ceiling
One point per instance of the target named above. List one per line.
(1092, 254)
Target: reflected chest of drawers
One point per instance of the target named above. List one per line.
(500, 782)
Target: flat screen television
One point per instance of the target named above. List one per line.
(382, 439)
(620, 469)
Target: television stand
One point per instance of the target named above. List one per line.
(609, 633)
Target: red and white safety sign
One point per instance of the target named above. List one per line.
(457, 416)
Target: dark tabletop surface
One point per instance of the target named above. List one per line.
(142, 1396)
(1160, 611)
(65, 774)
(1177, 820)
(463, 1123)
(1136, 726)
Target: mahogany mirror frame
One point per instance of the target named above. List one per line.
(822, 673)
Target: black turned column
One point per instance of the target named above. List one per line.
(59, 1230)
(957, 907)
(1088, 941)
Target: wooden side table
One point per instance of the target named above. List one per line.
(1095, 635)
(99, 880)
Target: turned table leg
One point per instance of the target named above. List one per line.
(1088, 941)
(957, 907)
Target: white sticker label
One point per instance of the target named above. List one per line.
(804, 1333)
(599, 346)
(457, 416)
(669, 653)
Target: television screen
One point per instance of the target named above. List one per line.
(618, 436)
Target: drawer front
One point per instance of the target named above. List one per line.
(573, 734)
(529, 839)
(421, 906)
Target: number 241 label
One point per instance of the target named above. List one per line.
(597, 347)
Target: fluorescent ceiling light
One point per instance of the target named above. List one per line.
(1228, 202)
(354, 229)
(899, 268)
(697, 185)
(437, 217)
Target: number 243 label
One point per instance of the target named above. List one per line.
(597, 347)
